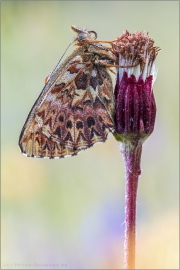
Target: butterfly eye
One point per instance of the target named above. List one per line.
(82, 36)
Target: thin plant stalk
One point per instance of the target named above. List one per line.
(132, 157)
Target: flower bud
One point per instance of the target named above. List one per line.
(135, 107)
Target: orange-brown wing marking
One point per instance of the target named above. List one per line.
(74, 115)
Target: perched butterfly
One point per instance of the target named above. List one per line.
(75, 109)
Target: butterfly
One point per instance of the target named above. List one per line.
(76, 107)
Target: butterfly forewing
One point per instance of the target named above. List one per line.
(74, 111)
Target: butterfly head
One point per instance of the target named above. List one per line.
(83, 34)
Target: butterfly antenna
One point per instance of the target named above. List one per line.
(66, 50)
(48, 76)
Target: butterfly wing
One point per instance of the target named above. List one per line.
(73, 112)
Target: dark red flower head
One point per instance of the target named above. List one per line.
(135, 104)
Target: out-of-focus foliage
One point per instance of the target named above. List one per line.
(69, 213)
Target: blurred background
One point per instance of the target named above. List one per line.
(69, 213)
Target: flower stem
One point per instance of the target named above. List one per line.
(132, 158)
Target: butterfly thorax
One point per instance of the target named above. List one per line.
(94, 54)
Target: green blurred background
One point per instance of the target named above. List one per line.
(69, 213)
